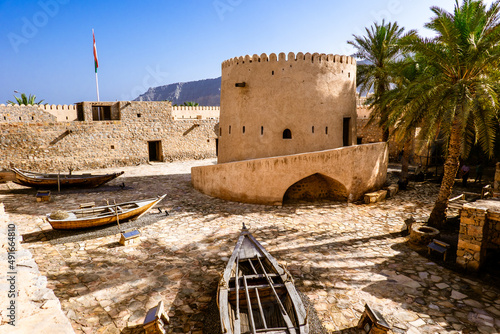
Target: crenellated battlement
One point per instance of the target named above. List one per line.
(46, 107)
(198, 112)
(318, 58)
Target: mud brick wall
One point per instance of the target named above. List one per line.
(58, 146)
(479, 231)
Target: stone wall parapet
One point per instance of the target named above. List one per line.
(317, 58)
(195, 112)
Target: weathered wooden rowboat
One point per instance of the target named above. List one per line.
(103, 215)
(42, 180)
(256, 294)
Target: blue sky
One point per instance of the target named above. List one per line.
(46, 45)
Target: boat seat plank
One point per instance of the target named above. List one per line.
(256, 276)
(260, 286)
(87, 205)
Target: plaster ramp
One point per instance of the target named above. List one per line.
(354, 170)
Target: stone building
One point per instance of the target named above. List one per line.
(287, 129)
(104, 134)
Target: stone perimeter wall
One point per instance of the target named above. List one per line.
(46, 145)
(266, 180)
(479, 231)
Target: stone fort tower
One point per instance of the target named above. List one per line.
(279, 105)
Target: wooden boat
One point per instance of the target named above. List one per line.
(41, 180)
(256, 294)
(102, 215)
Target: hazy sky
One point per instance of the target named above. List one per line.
(46, 45)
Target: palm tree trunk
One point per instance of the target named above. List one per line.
(451, 165)
(407, 153)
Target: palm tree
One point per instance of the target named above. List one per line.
(456, 91)
(191, 104)
(380, 49)
(403, 72)
(26, 100)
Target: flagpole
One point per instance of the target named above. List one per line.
(97, 86)
(96, 64)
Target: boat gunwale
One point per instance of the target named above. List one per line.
(89, 210)
(49, 176)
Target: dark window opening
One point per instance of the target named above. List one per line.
(261, 130)
(112, 147)
(79, 112)
(230, 129)
(359, 140)
(326, 130)
(287, 134)
(66, 117)
(346, 131)
(101, 113)
(5, 118)
(32, 117)
(272, 73)
(139, 115)
(349, 74)
(20, 118)
(313, 129)
(243, 129)
(154, 150)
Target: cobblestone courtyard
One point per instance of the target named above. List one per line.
(341, 256)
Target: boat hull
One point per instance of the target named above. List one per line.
(103, 218)
(50, 181)
(256, 294)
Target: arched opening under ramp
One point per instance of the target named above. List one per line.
(315, 187)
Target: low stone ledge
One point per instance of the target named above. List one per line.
(375, 197)
(392, 190)
(37, 309)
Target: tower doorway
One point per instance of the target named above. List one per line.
(154, 150)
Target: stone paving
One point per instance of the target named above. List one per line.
(341, 256)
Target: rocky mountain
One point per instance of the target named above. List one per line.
(204, 92)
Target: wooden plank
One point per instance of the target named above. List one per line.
(237, 287)
(285, 315)
(260, 308)
(251, 265)
(249, 306)
(260, 286)
(224, 311)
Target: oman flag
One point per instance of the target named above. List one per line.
(96, 63)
